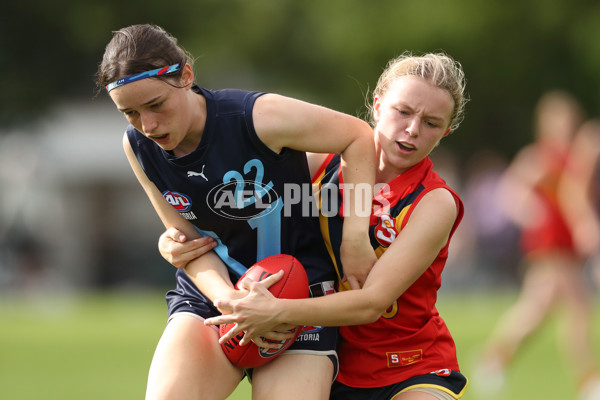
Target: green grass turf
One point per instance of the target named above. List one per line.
(99, 346)
(539, 372)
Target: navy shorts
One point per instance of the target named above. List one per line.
(451, 382)
(316, 340)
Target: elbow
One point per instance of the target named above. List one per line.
(363, 136)
(372, 312)
(367, 129)
(371, 316)
(367, 137)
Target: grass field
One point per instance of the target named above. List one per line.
(99, 346)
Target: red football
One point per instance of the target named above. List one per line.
(293, 285)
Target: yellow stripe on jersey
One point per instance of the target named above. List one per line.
(324, 224)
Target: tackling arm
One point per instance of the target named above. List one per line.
(417, 246)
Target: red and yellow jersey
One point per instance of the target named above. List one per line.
(410, 338)
(551, 232)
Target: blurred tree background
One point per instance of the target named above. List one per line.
(329, 52)
(70, 208)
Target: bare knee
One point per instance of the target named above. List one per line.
(189, 364)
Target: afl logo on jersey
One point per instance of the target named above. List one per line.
(244, 194)
(180, 201)
(242, 199)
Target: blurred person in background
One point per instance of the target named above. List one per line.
(580, 195)
(394, 344)
(182, 142)
(529, 193)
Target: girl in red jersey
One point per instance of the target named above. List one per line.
(530, 190)
(393, 342)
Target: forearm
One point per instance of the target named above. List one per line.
(358, 171)
(211, 276)
(343, 310)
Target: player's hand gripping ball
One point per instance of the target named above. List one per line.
(293, 285)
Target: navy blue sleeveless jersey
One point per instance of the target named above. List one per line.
(237, 190)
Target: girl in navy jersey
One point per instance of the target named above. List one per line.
(219, 164)
(394, 344)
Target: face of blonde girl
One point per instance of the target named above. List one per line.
(411, 119)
